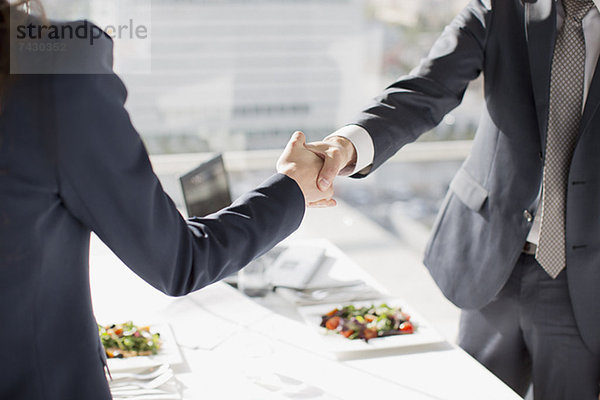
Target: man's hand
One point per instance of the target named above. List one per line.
(303, 166)
(339, 158)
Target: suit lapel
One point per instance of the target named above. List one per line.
(540, 20)
(592, 101)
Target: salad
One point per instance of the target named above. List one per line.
(368, 322)
(128, 340)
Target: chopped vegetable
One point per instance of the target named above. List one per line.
(370, 333)
(332, 323)
(406, 327)
(347, 333)
(332, 312)
(128, 340)
(368, 322)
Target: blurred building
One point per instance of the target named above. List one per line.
(236, 75)
(244, 74)
(409, 29)
(423, 14)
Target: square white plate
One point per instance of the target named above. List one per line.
(168, 353)
(340, 345)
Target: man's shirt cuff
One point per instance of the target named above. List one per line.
(365, 150)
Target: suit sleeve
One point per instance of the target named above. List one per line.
(417, 102)
(107, 182)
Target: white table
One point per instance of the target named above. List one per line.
(235, 348)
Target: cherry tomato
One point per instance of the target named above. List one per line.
(332, 323)
(347, 333)
(406, 327)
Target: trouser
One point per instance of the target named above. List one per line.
(528, 334)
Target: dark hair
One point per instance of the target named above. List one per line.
(4, 45)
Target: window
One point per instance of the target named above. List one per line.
(244, 74)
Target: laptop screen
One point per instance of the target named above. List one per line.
(206, 189)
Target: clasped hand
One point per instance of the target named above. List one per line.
(314, 166)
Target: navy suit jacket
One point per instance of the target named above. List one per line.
(72, 163)
(485, 218)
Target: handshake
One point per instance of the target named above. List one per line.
(315, 165)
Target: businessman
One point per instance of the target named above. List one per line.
(516, 244)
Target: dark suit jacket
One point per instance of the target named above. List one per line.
(481, 227)
(72, 163)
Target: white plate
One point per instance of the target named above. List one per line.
(168, 353)
(340, 345)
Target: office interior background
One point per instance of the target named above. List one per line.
(239, 76)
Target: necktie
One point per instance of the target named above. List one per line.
(566, 93)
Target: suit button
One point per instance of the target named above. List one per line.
(527, 215)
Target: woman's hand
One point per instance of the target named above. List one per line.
(304, 166)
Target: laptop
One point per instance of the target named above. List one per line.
(206, 188)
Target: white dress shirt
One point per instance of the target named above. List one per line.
(365, 150)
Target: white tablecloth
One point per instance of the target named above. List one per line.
(234, 348)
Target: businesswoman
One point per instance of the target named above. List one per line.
(72, 163)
